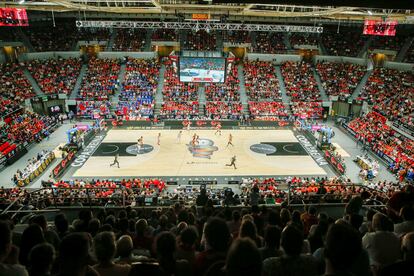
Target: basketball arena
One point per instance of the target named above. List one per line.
(186, 137)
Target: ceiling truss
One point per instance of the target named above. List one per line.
(198, 26)
(187, 7)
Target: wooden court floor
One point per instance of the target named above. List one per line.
(176, 158)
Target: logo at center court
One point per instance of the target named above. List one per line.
(203, 149)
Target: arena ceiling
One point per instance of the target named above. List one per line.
(217, 9)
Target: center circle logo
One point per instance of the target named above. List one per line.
(263, 148)
(145, 148)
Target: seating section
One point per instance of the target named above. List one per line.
(263, 90)
(409, 56)
(306, 110)
(55, 76)
(6, 148)
(236, 37)
(340, 79)
(261, 110)
(303, 39)
(271, 43)
(393, 43)
(164, 35)
(180, 98)
(391, 92)
(14, 88)
(63, 37)
(346, 43)
(129, 40)
(261, 81)
(24, 127)
(299, 82)
(384, 140)
(139, 86)
(223, 99)
(91, 109)
(200, 41)
(88, 34)
(100, 80)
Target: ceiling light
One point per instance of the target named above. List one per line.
(21, 2)
(370, 12)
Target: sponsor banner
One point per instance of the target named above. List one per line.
(335, 163)
(64, 164)
(403, 128)
(312, 150)
(88, 151)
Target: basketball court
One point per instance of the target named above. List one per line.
(258, 153)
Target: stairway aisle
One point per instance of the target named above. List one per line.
(361, 85)
(365, 48)
(158, 95)
(242, 90)
(25, 39)
(75, 92)
(322, 91)
(33, 83)
(111, 40)
(148, 36)
(404, 49)
(201, 100)
(285, 98)
(115, 97)
(219, 41)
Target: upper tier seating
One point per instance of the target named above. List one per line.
(139, 86)
(55, 76)
(129, 40)
(101, 79)
(299, 82)
(340, 79)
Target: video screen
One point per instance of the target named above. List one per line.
(13, 17)
(202, 69)
(382, 28)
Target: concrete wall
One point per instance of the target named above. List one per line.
(278, 59)
(399, 66)
(143, 55)
(2, 57)
(338, 59)
(48, 55)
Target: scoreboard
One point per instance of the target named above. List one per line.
(13, 17)
(379, 27)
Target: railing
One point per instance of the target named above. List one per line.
(121, 197)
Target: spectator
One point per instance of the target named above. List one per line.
(105, 249)
(292, 262)
(383, 245)
(403, 267)
(343, 246)
(125, 248)
(407, 214)
(74, 256)
(41, 259)
(31, 236)
(243, 258)
(5, 248)
(217, 240)
(186, 249)
(272, 243)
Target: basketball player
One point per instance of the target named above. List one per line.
(188, 126)
(232, 162)
(218, 129)
(115, 160)
(180, 133)
(159, 139)
(140, 144)
(230, 141)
